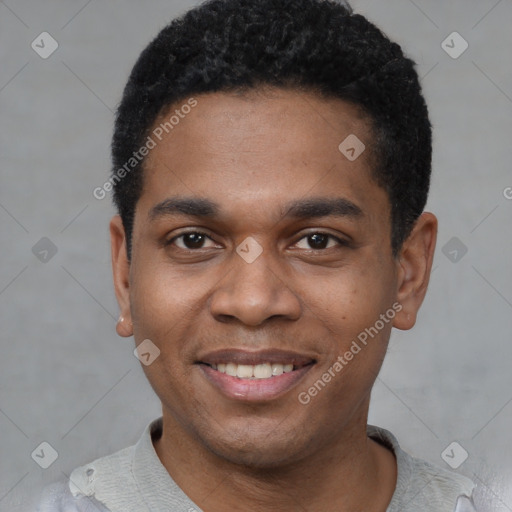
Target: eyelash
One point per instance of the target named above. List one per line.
(341, 242)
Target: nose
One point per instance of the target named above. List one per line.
(253, 293)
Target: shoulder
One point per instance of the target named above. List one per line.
(111, 471)
(421, 484)
(80, 492)
(58, 497)
(439, 486)
(109, 483)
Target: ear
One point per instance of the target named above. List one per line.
(414, 267)
(121, 274)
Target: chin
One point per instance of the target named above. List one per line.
(257, 458)
(256, 450)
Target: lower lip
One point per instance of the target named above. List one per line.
(254, 390)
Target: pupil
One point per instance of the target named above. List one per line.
(193, 239)
(323, 240)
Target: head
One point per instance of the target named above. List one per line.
(275, 213)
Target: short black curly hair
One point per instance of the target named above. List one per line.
(310, 45)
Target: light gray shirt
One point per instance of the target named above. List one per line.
(134, 480)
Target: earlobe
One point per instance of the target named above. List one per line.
(121, 275)
(124, 327)
(414, 268)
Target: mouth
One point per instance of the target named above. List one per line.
(259, 371)
(254, 376)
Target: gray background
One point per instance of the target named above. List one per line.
(66, 378)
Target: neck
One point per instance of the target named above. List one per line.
(350, 473)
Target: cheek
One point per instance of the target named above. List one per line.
(159, 296)
(348, 299)
(160, 309)
(170, 308)
(156, 303)
(349, 305)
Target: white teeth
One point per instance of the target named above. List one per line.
(277, 369)
(247, 371)
(262, 371)
(231, 369)
(244, 371)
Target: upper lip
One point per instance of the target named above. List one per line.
(238, 356)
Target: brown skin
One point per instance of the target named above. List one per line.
(252, 154)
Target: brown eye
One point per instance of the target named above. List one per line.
(191, 240)
(319, 241)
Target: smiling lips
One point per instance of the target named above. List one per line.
(254, 376)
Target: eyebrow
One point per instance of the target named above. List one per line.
(310, 208)
(323, 207)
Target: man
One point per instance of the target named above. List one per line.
(271, 164)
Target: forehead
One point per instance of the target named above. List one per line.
(261, 149)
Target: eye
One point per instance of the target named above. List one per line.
(197, 239)
(190, 240)
(319, 241)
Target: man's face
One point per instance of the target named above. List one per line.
(255, 283)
